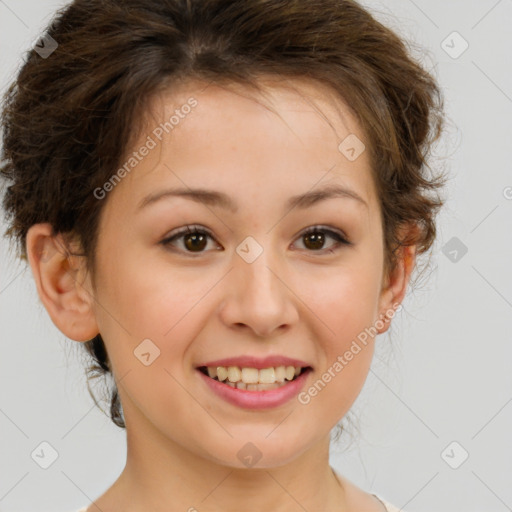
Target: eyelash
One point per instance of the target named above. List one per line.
(342, 241)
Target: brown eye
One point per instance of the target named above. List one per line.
(194, 240)
(315, 238)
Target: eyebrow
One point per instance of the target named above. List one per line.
(220, 199)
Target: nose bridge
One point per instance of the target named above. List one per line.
(254, 262)
(257, 297)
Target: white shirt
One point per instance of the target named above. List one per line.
(389, 507)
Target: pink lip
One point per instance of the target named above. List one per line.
(256, 399)
(256, 362)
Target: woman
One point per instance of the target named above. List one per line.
(223, 201)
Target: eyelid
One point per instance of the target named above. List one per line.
(326, 229)
(191, 228)
(335, 233)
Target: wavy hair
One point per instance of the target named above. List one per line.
(113, 56)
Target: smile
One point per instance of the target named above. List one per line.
(248, 387)
(253, 379)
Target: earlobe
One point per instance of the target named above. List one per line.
(62, 283)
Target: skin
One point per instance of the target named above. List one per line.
(293, 299)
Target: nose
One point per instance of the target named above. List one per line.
(258, 298)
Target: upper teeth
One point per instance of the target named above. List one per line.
(253, 375)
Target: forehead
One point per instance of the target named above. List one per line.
(276, 98)
(285, 137)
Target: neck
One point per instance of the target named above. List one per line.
(160, 475)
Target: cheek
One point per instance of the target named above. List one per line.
(344, 299)
(345, 304)
(148, 319)
(150, 301)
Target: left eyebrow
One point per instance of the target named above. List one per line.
(199, 195)
(215, 198)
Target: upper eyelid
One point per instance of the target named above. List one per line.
(197, 228)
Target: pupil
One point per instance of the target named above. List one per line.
(316, 239)
(197, 241)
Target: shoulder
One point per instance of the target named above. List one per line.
(359, 499)
(389, 506)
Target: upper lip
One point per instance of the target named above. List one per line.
(256, 362)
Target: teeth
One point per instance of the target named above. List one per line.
(263, 387)
(250, 375)
(234, 374)
(267, 376)
(281, 373)
(253, 379)
(222, 373)
(290, 372)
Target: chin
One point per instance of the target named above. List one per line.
(257, 449)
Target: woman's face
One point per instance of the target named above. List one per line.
(248, 287)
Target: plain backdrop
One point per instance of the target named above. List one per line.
(435, 415)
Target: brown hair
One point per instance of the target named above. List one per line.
(68, 117)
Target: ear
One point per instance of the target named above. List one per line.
(62, 283)
(395, 283)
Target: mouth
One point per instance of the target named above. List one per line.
(254, 379)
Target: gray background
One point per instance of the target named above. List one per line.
(443, 375)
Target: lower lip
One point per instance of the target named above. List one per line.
(257, 399)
